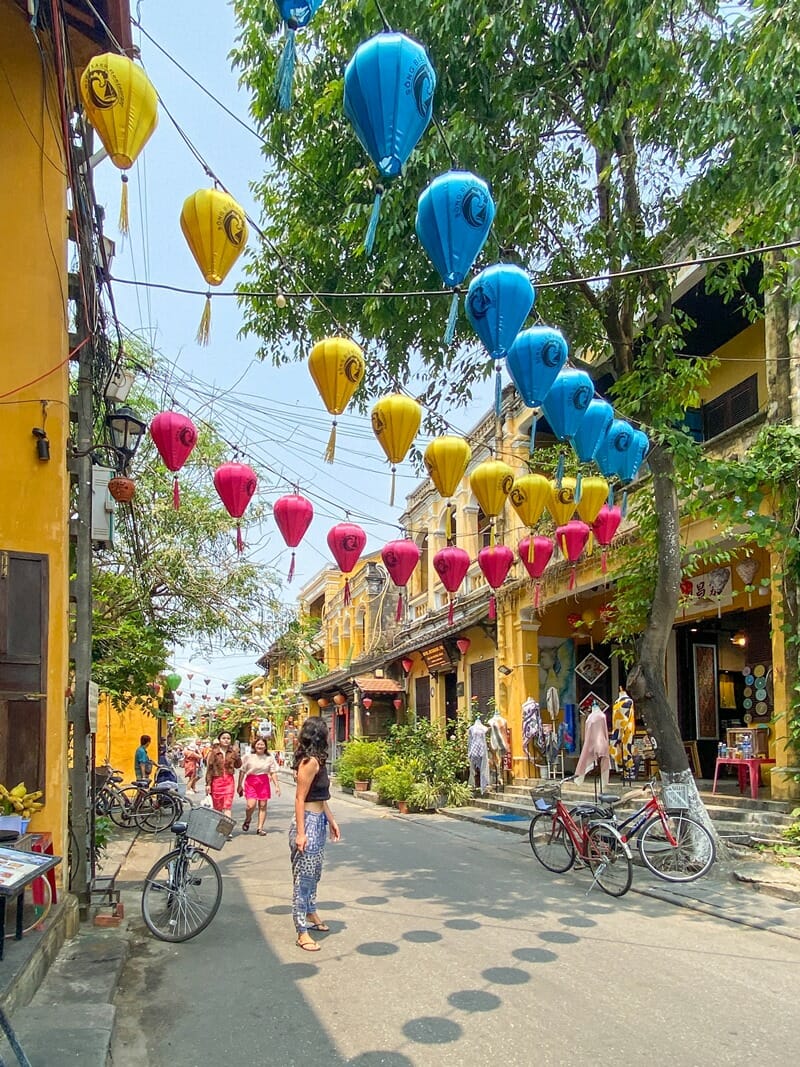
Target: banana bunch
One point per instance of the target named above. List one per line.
(18, 801)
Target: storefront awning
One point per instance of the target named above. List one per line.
(369, 684)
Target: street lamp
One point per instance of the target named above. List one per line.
(127, 430)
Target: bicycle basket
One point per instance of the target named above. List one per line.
(675, 796)
(208, 827)
(544, 796)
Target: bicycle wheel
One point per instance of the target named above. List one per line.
(181, 894)
(123, 807)
(103, 801)
(608, 860)
(158, 811)
(551, 844)
(36, 903)
(691, 856)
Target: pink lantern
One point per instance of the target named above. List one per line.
(174, 436)
(367, 702)
(235, 483)
(293, 515)
(398, 702)
(400, 558)
(463, 644)
(346, 542)
(572, 538)
(605, 527)
(451, 564)
(535, 553)
(495, 562)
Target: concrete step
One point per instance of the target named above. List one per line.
(733, 799)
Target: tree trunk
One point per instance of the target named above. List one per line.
(645, 681)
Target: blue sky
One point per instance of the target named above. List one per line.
(273, 415)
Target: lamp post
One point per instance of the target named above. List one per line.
(127, 430)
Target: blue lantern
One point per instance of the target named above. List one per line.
(622, 451)
(592, 429)
(498, 301)
(296, 14)
(388, 97)
(566, 402)
(454, 216)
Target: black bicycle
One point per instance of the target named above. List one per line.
(138, 806)
(183, 890)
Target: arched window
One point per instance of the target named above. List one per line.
(483, 528)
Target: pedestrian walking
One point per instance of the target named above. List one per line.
(309, 830)
(192, 760)
(257, 779)
(223, 760)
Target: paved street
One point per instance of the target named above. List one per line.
(449, 944)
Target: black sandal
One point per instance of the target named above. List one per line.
(245, 826)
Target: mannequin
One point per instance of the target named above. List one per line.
(500, 744)
(623, 725)
(595, 747)
(478, 756)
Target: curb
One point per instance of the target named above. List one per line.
(37, 956)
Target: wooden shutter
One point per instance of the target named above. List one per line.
(481, 684)
(422, 697)
(23, 668)
(731, 408)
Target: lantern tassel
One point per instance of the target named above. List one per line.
(330, 451)
(572, 578)
(492, 607)
(491, 535)
(204, 329)
(560, 470)
(533, 434)
(535, 596)
(290, 575)
(449, 522)
(590, 544)
(611, 496)
(603, 561)
(285, 75)
(578, 486)
(176, 493)
(530, 547)
(347, 597)
(372, 228)
(451, 614)
(625, 503)
(391, 493)
(124, 219)
(498, 389)
(239, 541)
(399, 613)
(450, 332)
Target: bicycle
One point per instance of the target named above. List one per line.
(672, 844)
(183, 890)
(139, 805)
(557, 841)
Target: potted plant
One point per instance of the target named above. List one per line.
(424, 796)
(362, 777)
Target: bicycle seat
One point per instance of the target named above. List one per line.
(609, 798)
(179, 827)
(163, 787)
(141, 781)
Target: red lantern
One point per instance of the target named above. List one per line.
(367, 702)
(398, 703)
(495, 562)
(605, 527)
(235, 483)
(451, 564)
(122, 489)
(462, 644)
(572, 538)
(293, 515)
(323, 702)
(535, 553)
(339, 699)
(174, 435)
(400, 558)
(407, 663)
(346, 542)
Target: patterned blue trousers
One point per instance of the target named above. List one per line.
(307, 866)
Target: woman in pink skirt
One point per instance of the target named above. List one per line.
(223, 759)
(258, 770)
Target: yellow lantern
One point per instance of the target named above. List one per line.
(491, 482)
(594, 493)
(122, 106)
(529, 495)
(337, 366)
(215, 229)
(446, 460)
(561, 503)
(395, 422)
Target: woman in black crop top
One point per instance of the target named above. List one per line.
(312, 820)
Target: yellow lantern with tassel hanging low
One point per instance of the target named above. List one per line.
(561, 502)
(215, 229)
(491, 482)
(337, 367)
(395, 422)
(529, 496)
(446, 460)
(122, 106)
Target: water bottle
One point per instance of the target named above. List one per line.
(747, 747)
(721, 750)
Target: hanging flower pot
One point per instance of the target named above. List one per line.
(122, 489)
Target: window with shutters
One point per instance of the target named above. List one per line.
(422, 697)
(731, 408)
(422, 566)
(484, 529)
(481, 685)
(23, 668)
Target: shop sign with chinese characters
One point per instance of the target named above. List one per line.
(713, 589)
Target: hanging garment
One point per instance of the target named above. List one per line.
(595, 747)
(623, 725)
(498, 735)
(478, 756)
(531, 724)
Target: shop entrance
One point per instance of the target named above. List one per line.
(450, 699)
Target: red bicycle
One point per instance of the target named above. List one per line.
(558, 840)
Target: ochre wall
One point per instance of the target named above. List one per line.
(33, 343)
(741, 357)
(118, 734)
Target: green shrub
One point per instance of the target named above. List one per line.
(457, 795)
(393, 781)
(362, 773)
(359, 754)
(424, 796)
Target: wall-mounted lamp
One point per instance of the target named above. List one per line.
(505, 670)
(127, 430)
(42, 443)
(739, 639)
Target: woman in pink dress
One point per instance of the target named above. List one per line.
(258, 770)
(223, 760)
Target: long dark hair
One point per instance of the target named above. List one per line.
(313, 741)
